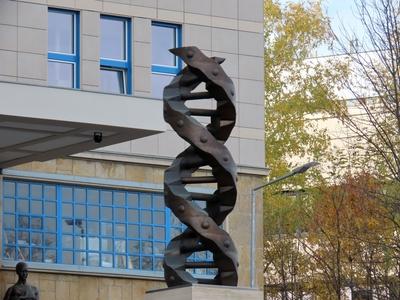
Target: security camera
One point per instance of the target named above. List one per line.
(97, 137)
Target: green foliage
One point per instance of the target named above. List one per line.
(296, 87)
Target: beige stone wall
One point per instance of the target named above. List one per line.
(73, 287)
(56, 286)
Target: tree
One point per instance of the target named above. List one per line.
(296, 88)
(374, 120)
(375, 86)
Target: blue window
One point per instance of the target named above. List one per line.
(63, 48)
(87, 226)
(165, 65)
(115, 55)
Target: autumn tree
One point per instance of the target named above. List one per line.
(374, 85)
(296, 88)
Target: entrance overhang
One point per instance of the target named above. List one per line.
(39, 123)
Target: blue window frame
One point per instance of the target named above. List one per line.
(115, 55)
(88, 226)
(63, 48)
(165, 65)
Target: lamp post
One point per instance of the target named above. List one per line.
(295, 171)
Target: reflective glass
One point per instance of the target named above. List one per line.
(61, 74)
(133, 262)
(158, 83)
(9, 189)
(9, 221)
(93, 259)
(61, 32)
(112, 38)
(163, 39)
(112, 81)
(50, 256)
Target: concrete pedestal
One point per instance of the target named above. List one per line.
(205, 292)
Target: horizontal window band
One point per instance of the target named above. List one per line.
(165, 69)
(114, 63)
(63, 57)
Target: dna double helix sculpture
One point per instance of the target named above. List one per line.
(204, 232)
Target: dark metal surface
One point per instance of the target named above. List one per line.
(22, 290)
(206, 148)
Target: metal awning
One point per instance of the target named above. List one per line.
(40, 123)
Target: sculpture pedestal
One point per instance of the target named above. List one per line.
(205, 292)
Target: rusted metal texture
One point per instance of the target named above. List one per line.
(204, 232)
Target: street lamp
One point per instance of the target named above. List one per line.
(295, 171)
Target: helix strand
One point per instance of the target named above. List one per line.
(204, 232)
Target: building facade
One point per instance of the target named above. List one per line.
(83, 144)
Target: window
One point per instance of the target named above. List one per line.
(115, 53)
(63, 48)
(87, 226)
(165, 65)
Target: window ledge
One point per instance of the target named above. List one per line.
(90, 271)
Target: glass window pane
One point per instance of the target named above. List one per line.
(120, 231)
(67, 241)
(36, 191)
(145, 200)
(9, 221)
(9, 236)
(9, 253)
(93, 228)
(61, 32)
(80, 258)
(159, 218)
(93, 259)
(50, 224)
(147, 263)
(36, 239)
(9, 205)
(133, 262)
(158, 83)
(112, 81)
(112, 40)
(61, 74)
(158, 202)
(50, 256)
(106, 198)
(94, 243)
(36, 223)
(67, 257)
(23, 254)
(23, 190)
(120, 261)
(93, 196)
(79, 195)
(93, 212)
(36, 207)
(158, 264)
(50, 209)
(9, 189)
(133, 200)
(163, 39)
(159, 248)
(133, 246)
(50, 193)
(147, 247)
(107, 260)
(50, 240)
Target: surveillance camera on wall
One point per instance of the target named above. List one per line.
(97, 137)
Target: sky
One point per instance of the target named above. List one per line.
(342, 14)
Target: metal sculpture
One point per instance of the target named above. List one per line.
(204, 232)
(22, 290)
